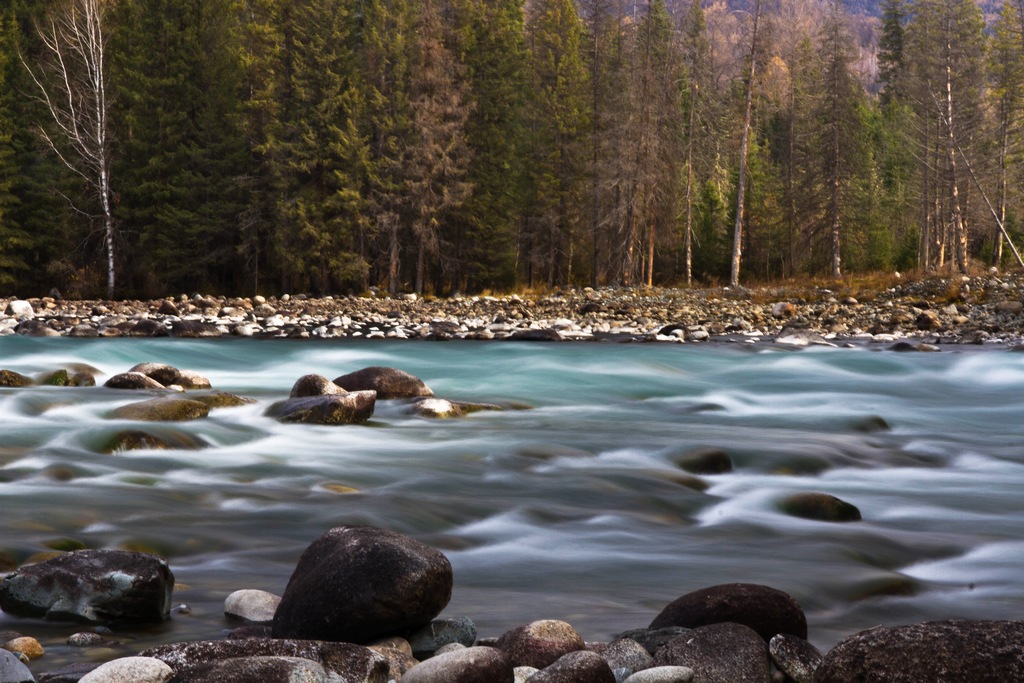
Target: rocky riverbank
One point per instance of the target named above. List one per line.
(927, 313)
(362, 606)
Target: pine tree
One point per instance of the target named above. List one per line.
(557, 129)
(1006, 68)
(492, 50)
(316, 153)
(12, 238)
(179, 71)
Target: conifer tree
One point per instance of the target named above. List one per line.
(12, 239)
(491, 47)
(1006, 68)
(316, 153)
(179, 74)
(558, 124)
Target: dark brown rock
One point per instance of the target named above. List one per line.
(389, 383)
(626, 654)
(706, 461)
(194, 329)
(544, 335)
(719, 653)
(766, 610)
(359, 583)
(819, 506)
(350, 408)
(469, 665)
(928, 320)
(540, 643)
(146, 328)
(930, 652)
(583, 666)
(221, 399)
(350, 662)
(91, 586)
(653, 639)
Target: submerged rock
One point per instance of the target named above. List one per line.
(766, 610)
(351, 408)
(819, 506)
(359, 583)
(705, 461)
(389, 383)
(221, 399)
(91, 586)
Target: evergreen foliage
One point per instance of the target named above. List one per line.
(333, 146)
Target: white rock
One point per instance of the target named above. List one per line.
(252, 605)
(20, 309)
(130, 670)
(523, 673)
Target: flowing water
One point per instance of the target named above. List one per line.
(573, 509)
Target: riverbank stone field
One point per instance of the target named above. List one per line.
(365, 604)
(916, 315)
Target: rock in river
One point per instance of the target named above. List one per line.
(351, 408)
(389, 383)
(92, 586)
(355, 584)
(819, 506)
(163, 410)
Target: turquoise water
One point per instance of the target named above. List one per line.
(573, 509)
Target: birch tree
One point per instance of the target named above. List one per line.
(70, 75)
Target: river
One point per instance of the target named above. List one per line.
(573, 509)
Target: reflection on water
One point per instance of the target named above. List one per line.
(575, 509)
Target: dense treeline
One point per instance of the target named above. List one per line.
(327, 146)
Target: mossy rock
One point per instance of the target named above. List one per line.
(819, 506)
(66, 545)
(135, 440)
(10, 378)
(163, 410)
(221, 399)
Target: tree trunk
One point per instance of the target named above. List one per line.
(741, 184)
(689, 189)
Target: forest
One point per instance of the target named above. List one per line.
(152, 147)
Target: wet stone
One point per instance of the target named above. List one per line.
(441, 632)
(10, 378)
(91, 586)
(254, 606)
(132, 380)
(389, 383)
(351, 408)
(163, 410)
(355, 584)
(653, 639)
(705, 461)
(314, 385)
(821, 507)
(13, 670)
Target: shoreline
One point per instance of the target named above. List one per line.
(923, 314)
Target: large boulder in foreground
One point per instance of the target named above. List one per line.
(929, 652)
(389, 383)
(351, 408)
(347, 662)
(98, 586)
(354, 584)
(766, 610)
